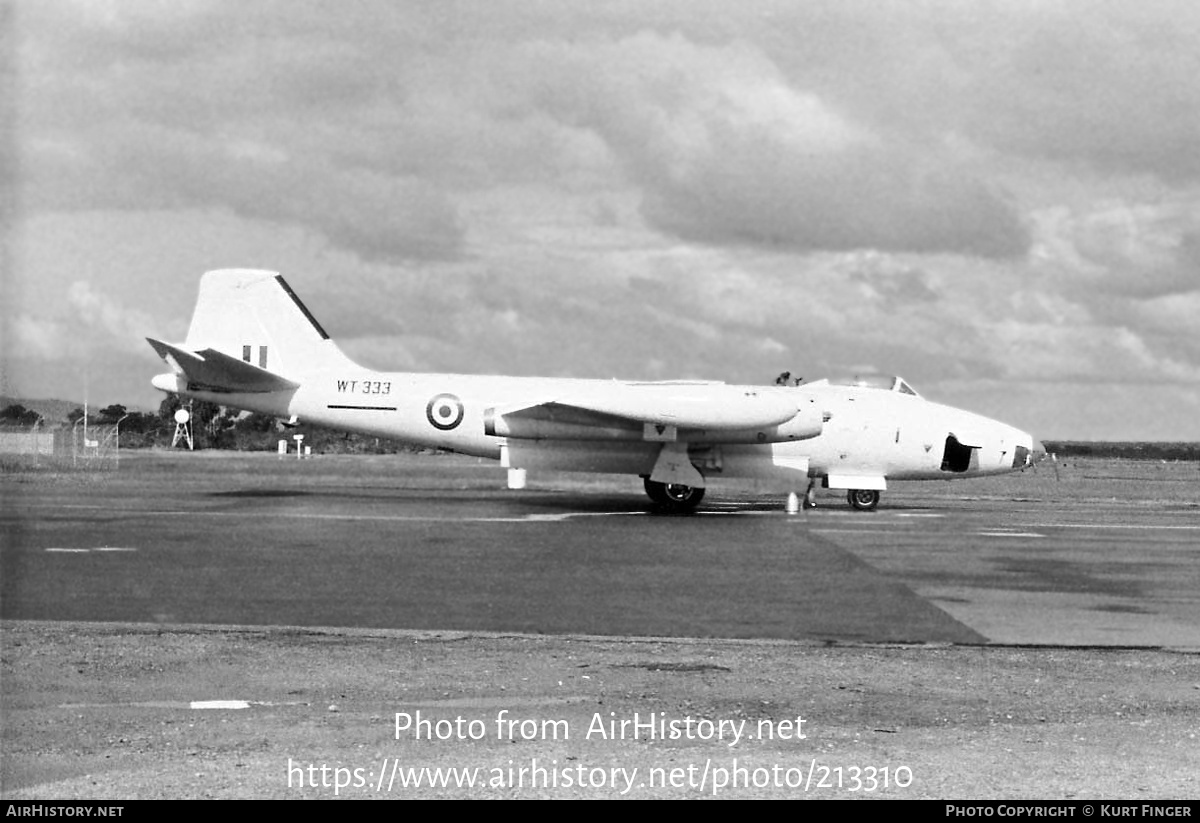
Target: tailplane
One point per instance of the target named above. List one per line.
(210, 370)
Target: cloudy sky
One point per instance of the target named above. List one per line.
(998, 200)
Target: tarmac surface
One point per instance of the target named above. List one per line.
(1026, 636)
(437, 542)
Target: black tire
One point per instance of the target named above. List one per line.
(864, 500)
(674, 497)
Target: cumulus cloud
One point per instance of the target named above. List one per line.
(118, 325)
(379, 216)
(37, 338)
(891, 280)
(86, 321)
(818, 127)
(1112, 85)
(1139, 244)
(181, 127)
(727, 151)
(1109, 252)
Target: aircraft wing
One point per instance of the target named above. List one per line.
(212, 370)
(689, 405)
(625, 410)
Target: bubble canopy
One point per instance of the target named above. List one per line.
(883, 382)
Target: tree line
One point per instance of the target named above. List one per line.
(1128, 450)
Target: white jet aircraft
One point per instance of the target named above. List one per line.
(253, 345)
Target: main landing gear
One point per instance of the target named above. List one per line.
(674, 497)
(865, 500)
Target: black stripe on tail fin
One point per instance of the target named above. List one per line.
(300, 305)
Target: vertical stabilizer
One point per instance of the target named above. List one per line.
(255, 316)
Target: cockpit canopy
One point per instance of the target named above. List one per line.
(883, 382)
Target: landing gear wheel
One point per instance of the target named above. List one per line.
(674, 497)
(865, 500)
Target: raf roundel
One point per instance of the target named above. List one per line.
(445, 411)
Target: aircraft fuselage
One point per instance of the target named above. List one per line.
(865, 436)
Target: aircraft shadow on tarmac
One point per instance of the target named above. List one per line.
(559, 502)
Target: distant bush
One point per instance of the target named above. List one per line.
(18, 415)
(248, 435)
(1124, 450)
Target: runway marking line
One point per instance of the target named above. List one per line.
(219, 704)
(88, 551)
(1139, 526)
(179, 704)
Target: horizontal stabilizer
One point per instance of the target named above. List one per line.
(211, 370)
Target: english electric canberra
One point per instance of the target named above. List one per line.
(253, 345)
